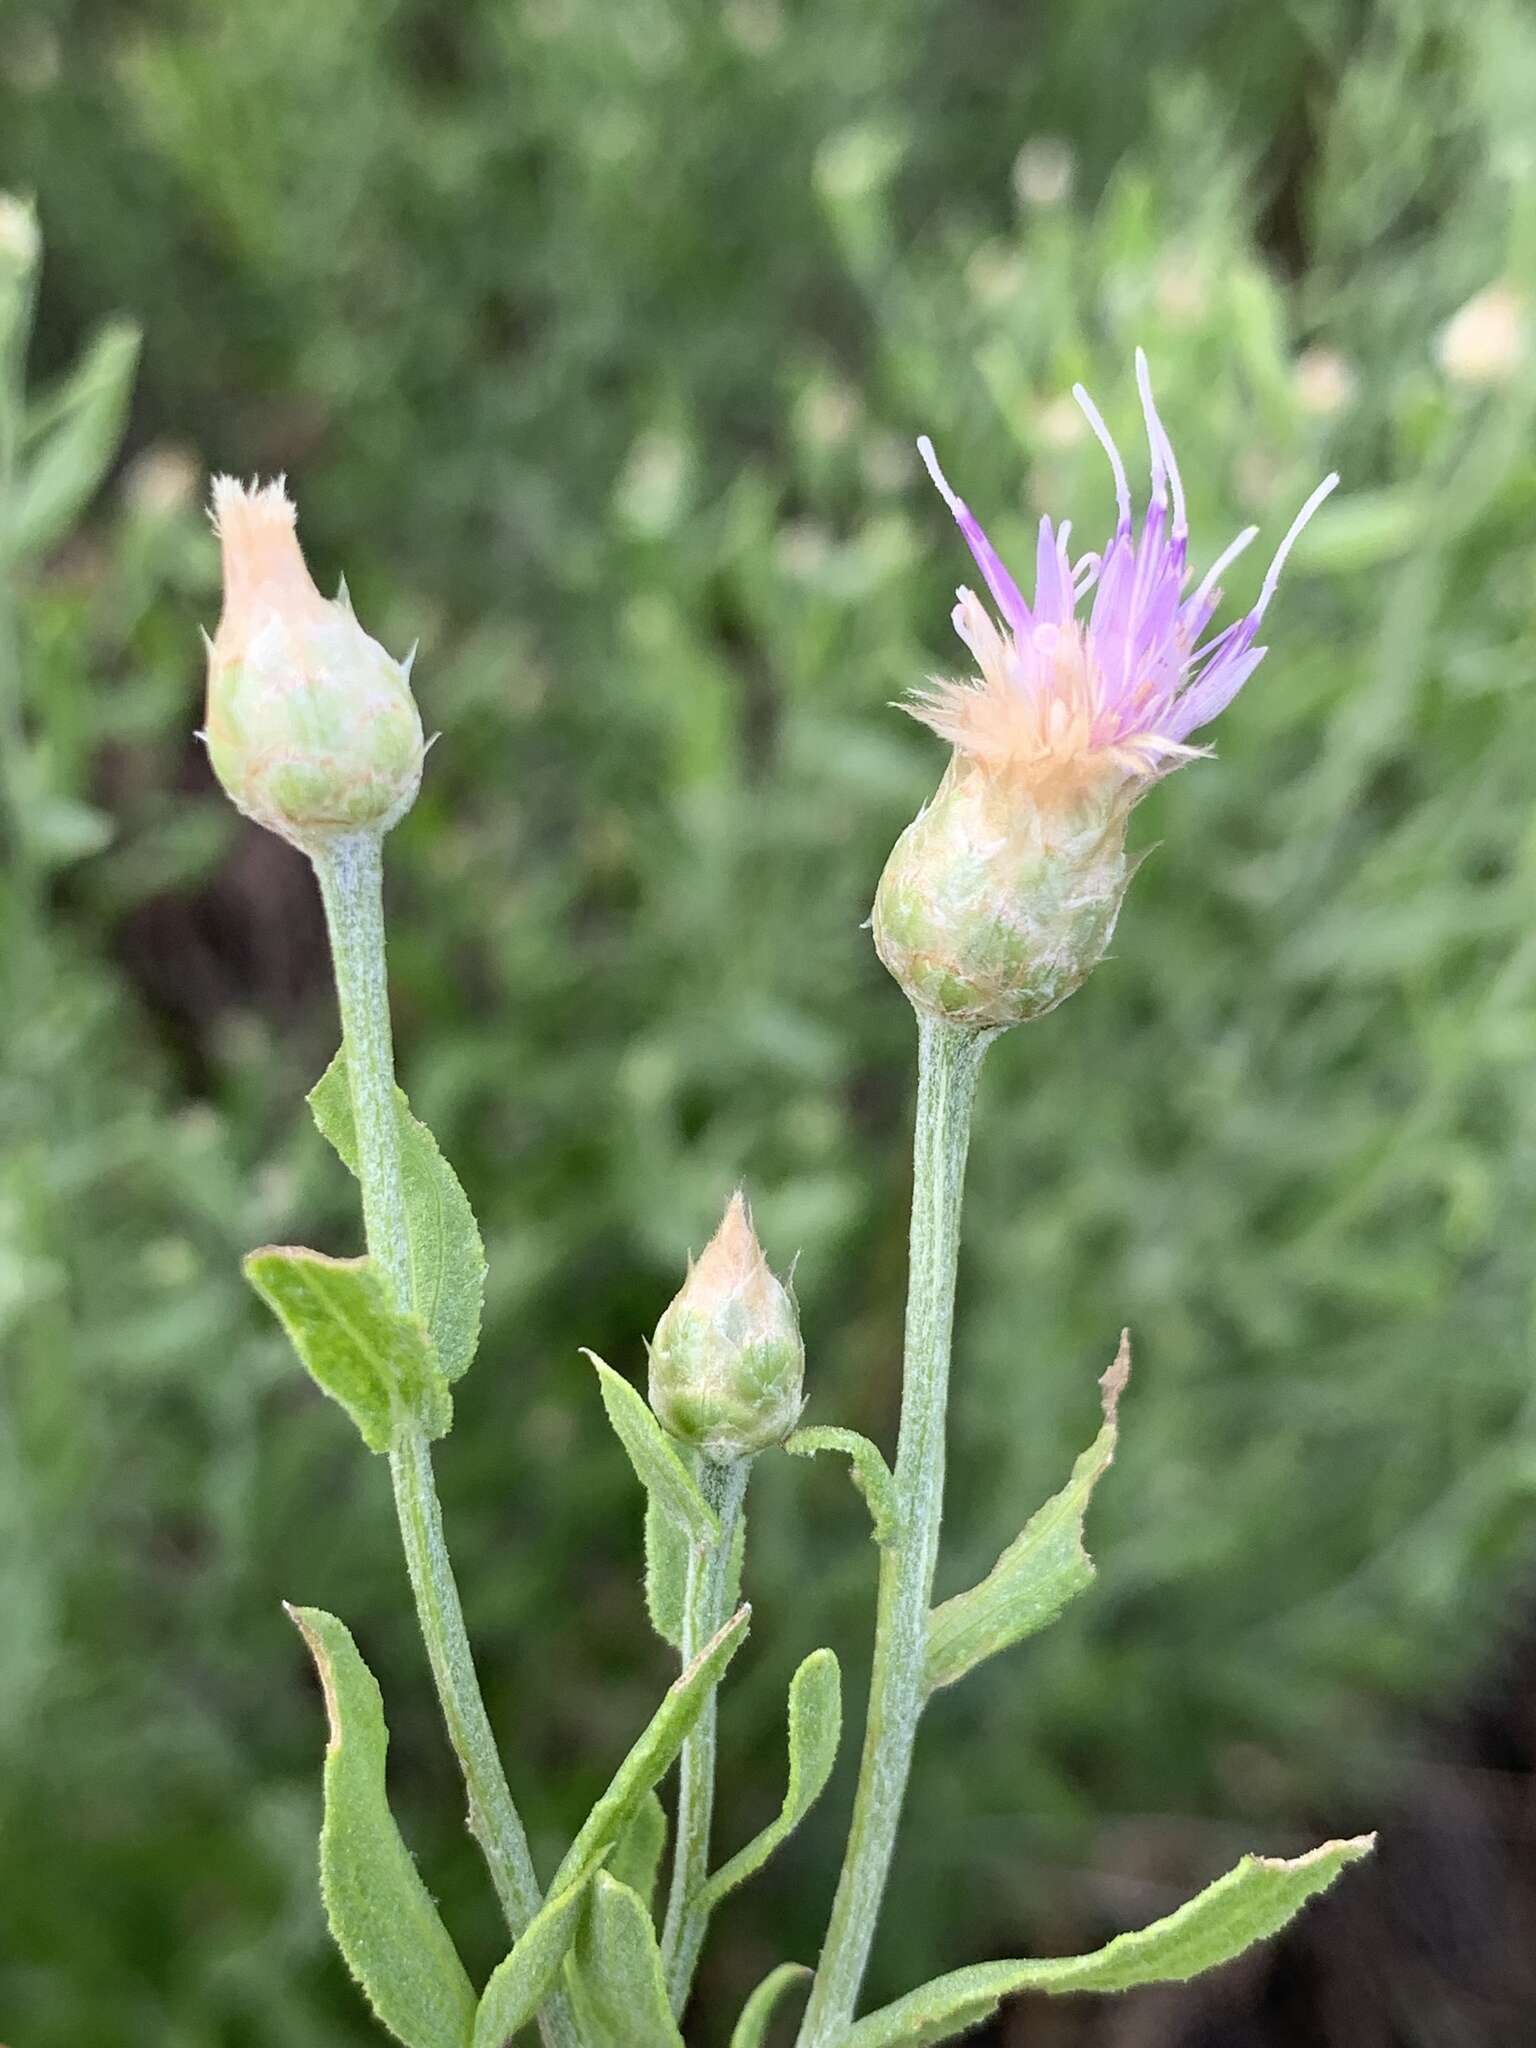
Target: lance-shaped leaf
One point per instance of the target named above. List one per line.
(659, 1469)
(751, 2030)
(1039, 1572)
(447, 1256)
(637, 1858)
(666, 1572)
(340, 1321)
(615, 1973)
(380, 1912)
(652, 1754)
(815, 1723)
(521, 1981)
(1249, 1904)
(868, 1470)
(71, 442)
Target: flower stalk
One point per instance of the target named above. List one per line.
(708, 1599)
(349, 869)
(949, 1060)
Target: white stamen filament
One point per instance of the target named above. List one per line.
(1272, 578)
(941, 482)
(1223, 561)
(1164, 464)
(1095, 420)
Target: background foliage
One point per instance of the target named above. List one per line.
(595, 341)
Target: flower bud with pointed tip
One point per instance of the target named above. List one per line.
(727, 1362)
(992, 910)
(310, 725)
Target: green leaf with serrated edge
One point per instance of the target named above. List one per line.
(521, 1981)
(1040, 1571)
(868, 1470)
(637, 1858)
(815, 1723)
(652, 1754)
(666, 1572)
(380, 1912)
(614, 1972)
(1248, 1905)
(657, 1466)
(447, 1256)
(751, 2030)
(350, 1340)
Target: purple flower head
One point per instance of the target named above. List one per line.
(1072, 702)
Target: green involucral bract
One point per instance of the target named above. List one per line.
(992, 911)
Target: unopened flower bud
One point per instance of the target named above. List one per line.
(991, 909)
(727, 1363)
(311, 726)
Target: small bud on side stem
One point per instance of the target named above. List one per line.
(727, 1361)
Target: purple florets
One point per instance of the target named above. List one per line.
(1064, 701)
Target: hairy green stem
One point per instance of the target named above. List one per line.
(349, 867)
(948, 1062)
(706, 1610)
(493, 1819)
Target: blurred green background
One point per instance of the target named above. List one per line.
(594, 339)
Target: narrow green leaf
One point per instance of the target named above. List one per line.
(380, 1912)
(521, 1981)
(1040, 1571)
(652, 1753)
(447, 1256)
(638, 1856)
(868, 1470)
(751, 2030)
(615, 1974)
(1248, 1905)
(350, 1341)
(815, 1723)
(666, 1572)
(657, 1466)
(75, 449)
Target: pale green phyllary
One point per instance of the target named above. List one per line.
(996, 904)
